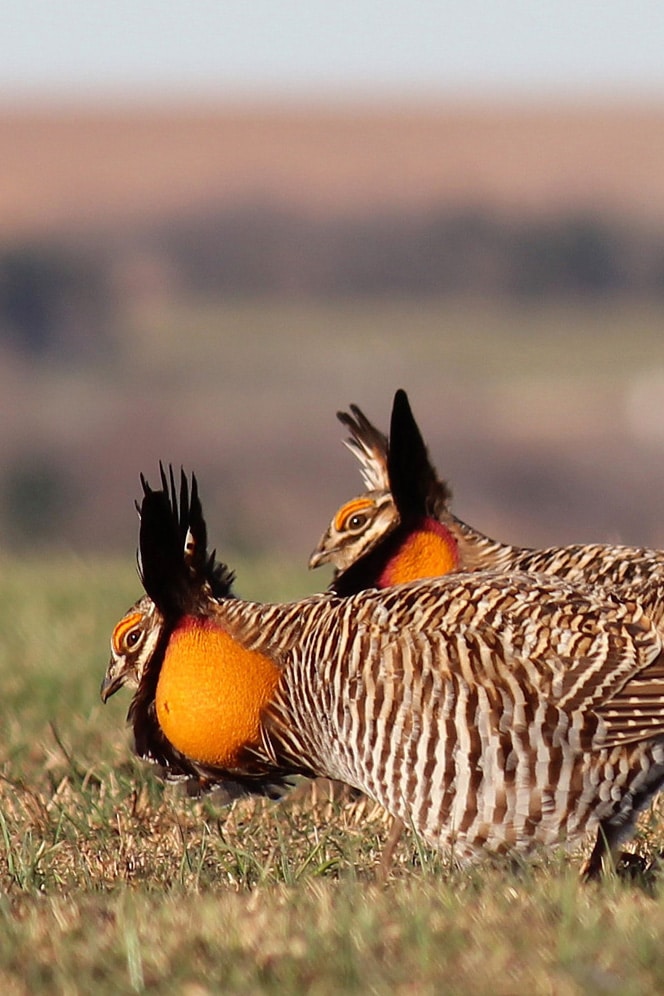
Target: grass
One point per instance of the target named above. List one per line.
(112, 882)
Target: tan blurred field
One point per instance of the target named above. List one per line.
(72, 169)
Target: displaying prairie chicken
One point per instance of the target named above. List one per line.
(491, 712)
(402, 527)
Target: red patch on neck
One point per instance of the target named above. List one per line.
(428, 551)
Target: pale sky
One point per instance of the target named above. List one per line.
(143, 48)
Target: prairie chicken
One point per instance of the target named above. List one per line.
(134, 640)
(136, 637)
(491, 712)
(402, 527)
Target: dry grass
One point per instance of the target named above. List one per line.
(113, 883)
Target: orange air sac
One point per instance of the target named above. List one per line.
(428, 552)
(211, 692)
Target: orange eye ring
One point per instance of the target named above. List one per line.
(353, 508)
(122, 631)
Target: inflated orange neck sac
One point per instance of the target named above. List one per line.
(428, 551)
(211, 692)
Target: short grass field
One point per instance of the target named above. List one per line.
(113, 883)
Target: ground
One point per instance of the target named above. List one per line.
(112, 882)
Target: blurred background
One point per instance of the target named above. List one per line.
(222, 222)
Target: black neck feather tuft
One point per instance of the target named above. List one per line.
(416, 488)
(175, 566)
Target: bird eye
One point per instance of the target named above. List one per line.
(132, 638)
(357, 521)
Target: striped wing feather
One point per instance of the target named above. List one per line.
(573, 660)
(637, 706)
(532, 639)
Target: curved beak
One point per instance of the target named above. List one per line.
(319, 556)
(110, 684)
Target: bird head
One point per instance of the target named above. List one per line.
(133, 643)
(355, 529)
(392, 533)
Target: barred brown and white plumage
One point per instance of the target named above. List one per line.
(407, 530)
(408, 501)
(491, 712)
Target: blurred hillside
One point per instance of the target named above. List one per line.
(209, 286)
(72, 169)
